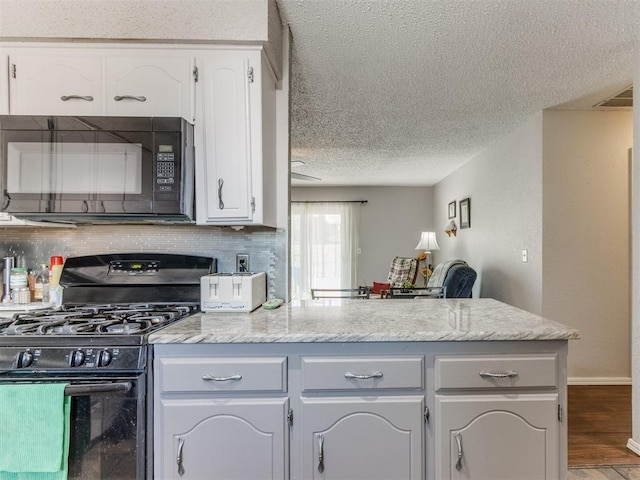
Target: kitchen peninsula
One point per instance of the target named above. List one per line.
(377, 389)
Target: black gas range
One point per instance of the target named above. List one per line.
(110, 302)
(96, 343)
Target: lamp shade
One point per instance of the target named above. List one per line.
(428, 242)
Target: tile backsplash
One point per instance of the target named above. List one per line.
(266, 247)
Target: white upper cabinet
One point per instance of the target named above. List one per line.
(100, 81)
(235, 139)
(55, 84)
(139, 85)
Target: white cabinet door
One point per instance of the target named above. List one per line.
(138, 85)
(496, 437)
(226, 125)
(231, 439)
(235, 139)
(55, 84)
(350, 438)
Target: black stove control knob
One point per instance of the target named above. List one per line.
(104, 358)
(76, 358)
(24, 359)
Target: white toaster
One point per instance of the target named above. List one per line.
(232, 292)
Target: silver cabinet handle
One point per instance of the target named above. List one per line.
(509, 374)
(211, 378)
(321, 453)
(66, 98)
(179, 457)
(377, 374)
(459, 442)
(119, 98)
(220, 202)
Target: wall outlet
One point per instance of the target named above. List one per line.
(242, 262)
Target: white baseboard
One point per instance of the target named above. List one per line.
(599, 380)
(633, 446)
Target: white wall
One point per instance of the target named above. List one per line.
(586, 269)
(504, 184)
(390, 223)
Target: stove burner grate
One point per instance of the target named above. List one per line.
(107, 319)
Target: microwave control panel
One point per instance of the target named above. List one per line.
(166, 166)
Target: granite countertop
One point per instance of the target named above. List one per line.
(373, 320)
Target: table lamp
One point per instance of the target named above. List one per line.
(427, 243)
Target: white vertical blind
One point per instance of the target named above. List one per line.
(324, 243)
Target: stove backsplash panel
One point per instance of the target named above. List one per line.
(265, 246)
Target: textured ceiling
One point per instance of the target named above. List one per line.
(403, 92)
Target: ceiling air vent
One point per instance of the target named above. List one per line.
(622, 99)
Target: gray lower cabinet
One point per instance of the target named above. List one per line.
(353, 438)
(232, 439)
(497, 417)
(221, 417)
(357, 411)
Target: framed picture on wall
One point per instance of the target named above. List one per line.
(465, 213)
(452, 209)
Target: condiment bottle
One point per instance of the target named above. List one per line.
(41, 285)
(55, 270)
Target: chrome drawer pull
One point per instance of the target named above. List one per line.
(350, 375)
(509, 374)
(179, 457)
(459, 443)
(119, 98)
(321, 453)
(66, 98)
(211, 378)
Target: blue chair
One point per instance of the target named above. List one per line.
(456, 276)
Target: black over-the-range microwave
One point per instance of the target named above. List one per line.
(97, 169)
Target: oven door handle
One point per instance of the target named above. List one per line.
(93, 388)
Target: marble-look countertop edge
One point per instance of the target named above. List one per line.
(490, 337)
(450, 320)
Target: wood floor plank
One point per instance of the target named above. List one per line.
(600, 425)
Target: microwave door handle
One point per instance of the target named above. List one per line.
(66, 98)
(119, 98)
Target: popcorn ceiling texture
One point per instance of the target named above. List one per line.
(207, 21)
(404, 92)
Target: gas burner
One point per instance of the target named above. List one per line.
(100, 320)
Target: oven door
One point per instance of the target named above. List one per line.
(108, 417)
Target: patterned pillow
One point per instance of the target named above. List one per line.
(403, 270)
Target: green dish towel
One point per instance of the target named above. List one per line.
(34, 431)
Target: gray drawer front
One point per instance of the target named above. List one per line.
(496, 371)
(224, 374)
(362, 373)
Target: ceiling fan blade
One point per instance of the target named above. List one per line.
(302, 176)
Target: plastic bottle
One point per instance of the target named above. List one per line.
(55, 270)
(41, 285)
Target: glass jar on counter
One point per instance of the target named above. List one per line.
(18, 278)
(21, 295)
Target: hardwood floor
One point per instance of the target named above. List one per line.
(600, 425)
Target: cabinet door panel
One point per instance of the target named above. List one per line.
(234, 439)
(492, 437)
(347, 438)
(227, 136)
(55, 84)
(149, 86)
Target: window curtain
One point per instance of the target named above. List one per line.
(324, 243)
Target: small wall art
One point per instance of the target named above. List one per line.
(465, 213)
(452, 209)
